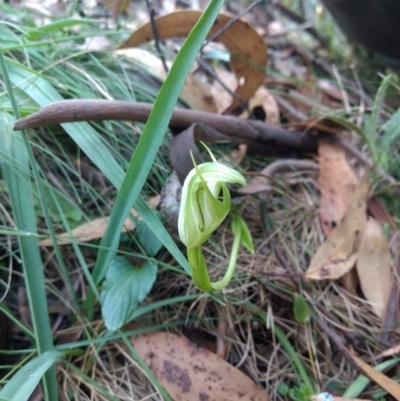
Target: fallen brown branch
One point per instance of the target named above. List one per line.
(240, 131)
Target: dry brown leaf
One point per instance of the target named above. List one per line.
(379, 378)
(330, 89)
(194, 91)
(373, 266)
(225, 80)
(198, 95)
(189, 372)
(116, 6)
(394, 350)
(264, 99)
(89, 231)
(337, 183)
(239, 154)
(248, 50)
(338, 254)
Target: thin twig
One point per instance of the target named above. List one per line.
(338, 341)
(300, 20)
(152, 14)
(206, 66)
(232, 21)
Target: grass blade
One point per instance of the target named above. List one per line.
(16, 171)
(24, 382)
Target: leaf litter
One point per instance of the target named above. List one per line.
(287, 231)
(189, 372)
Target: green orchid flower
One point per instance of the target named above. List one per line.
(205, 203)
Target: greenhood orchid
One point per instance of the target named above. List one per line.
(205, 203)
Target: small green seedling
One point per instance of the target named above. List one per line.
(205, 203)
(301, 309)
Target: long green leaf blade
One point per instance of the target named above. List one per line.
(16, 169)
(24, 382)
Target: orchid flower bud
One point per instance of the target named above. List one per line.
(205, 203)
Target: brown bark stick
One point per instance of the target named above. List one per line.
(248, 131)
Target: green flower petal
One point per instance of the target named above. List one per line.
(205, 201)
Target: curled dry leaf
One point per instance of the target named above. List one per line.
(338, 254)
(248, 50)
(223, 87)
(95, 229)
(195, 92)
(373, 266)
(264, 99)
(198, 95)
(191, 373)
(337, 183)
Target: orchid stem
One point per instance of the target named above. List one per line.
(219, 285)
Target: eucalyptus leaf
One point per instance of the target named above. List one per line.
(23, 383)
(124, 288)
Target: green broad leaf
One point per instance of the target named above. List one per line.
(239, 227)
(391, 131)
(124, 288)
(283, 389)
(23, 383)
(301, 309)
(148, 240)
